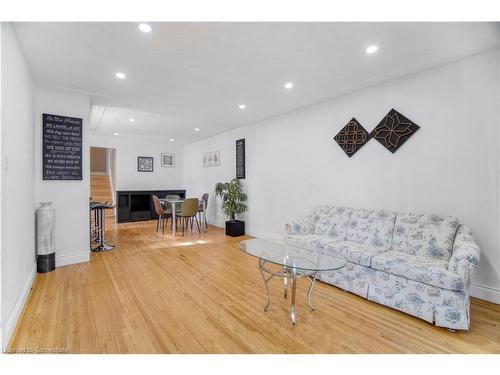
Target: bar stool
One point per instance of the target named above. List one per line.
(99, 225)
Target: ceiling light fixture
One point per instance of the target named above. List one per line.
(116, 133)
(145, 28)
(131, 120)
(171, 139)
(120, 75)
(196, 129)
(288, 85)
(242, 106)
(371, 49)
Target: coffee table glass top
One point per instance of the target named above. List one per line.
(298, 256)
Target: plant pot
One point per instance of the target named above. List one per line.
(235, 228)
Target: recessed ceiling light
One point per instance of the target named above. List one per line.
(145, 28)
(171, 139)
(116, 133)
(242, 106)
(131, 120)
(371, 49)
(120, 75)
(196, 129)
(288, 85)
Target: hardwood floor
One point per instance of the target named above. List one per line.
(200, 294)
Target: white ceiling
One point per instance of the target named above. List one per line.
(187, 75)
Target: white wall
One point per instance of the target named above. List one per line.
(111, 170)
(128, 148)
(71, 198)
(450, 166)
(18, 187)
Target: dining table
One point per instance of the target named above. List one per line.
(174, 202)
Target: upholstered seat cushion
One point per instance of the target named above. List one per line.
(310, 239)
(355, 252)
(425, 235)
(426, 270)
(371, 227)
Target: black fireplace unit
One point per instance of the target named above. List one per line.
(138, 205)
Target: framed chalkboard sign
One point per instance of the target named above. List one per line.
(240, 159)
(62, 147)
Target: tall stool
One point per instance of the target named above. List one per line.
(97, 230)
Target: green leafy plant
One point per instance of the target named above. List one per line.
(233, 198)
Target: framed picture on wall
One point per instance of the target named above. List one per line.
(144, 164)
(167, 160)
(211, 159)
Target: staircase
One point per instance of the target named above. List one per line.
(100, 191)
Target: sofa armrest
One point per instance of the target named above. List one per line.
(305, 226)
(466, 253)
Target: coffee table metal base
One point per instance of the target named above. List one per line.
(287, 273)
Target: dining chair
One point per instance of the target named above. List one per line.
(189, 211)
(161, 212)
(204, 197)
(174, 198)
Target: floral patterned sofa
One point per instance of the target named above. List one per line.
(419, 264)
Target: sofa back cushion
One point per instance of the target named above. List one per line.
(331, 221)
(425, 235)
(371, 227)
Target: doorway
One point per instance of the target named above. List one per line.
(103, 176)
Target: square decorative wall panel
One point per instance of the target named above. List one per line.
(394, 130)
(352, 137)
(167, 160)
(144, 164)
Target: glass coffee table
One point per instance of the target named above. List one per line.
(294, 261)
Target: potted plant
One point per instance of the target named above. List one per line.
(233, 203)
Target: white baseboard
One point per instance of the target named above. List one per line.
(265, 235)
(65, 260)
(485, 292)
(215, 224)
(10, 325)
(254, 233)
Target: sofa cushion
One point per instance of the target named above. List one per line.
(310, 239)
(426, 270)
(371, 227)
(355, 252)
(425, 235)
(331, 221)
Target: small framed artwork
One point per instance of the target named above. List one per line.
(167, 160)
(144, 164)
(211, 159)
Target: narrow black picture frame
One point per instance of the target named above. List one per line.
(240, 159)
